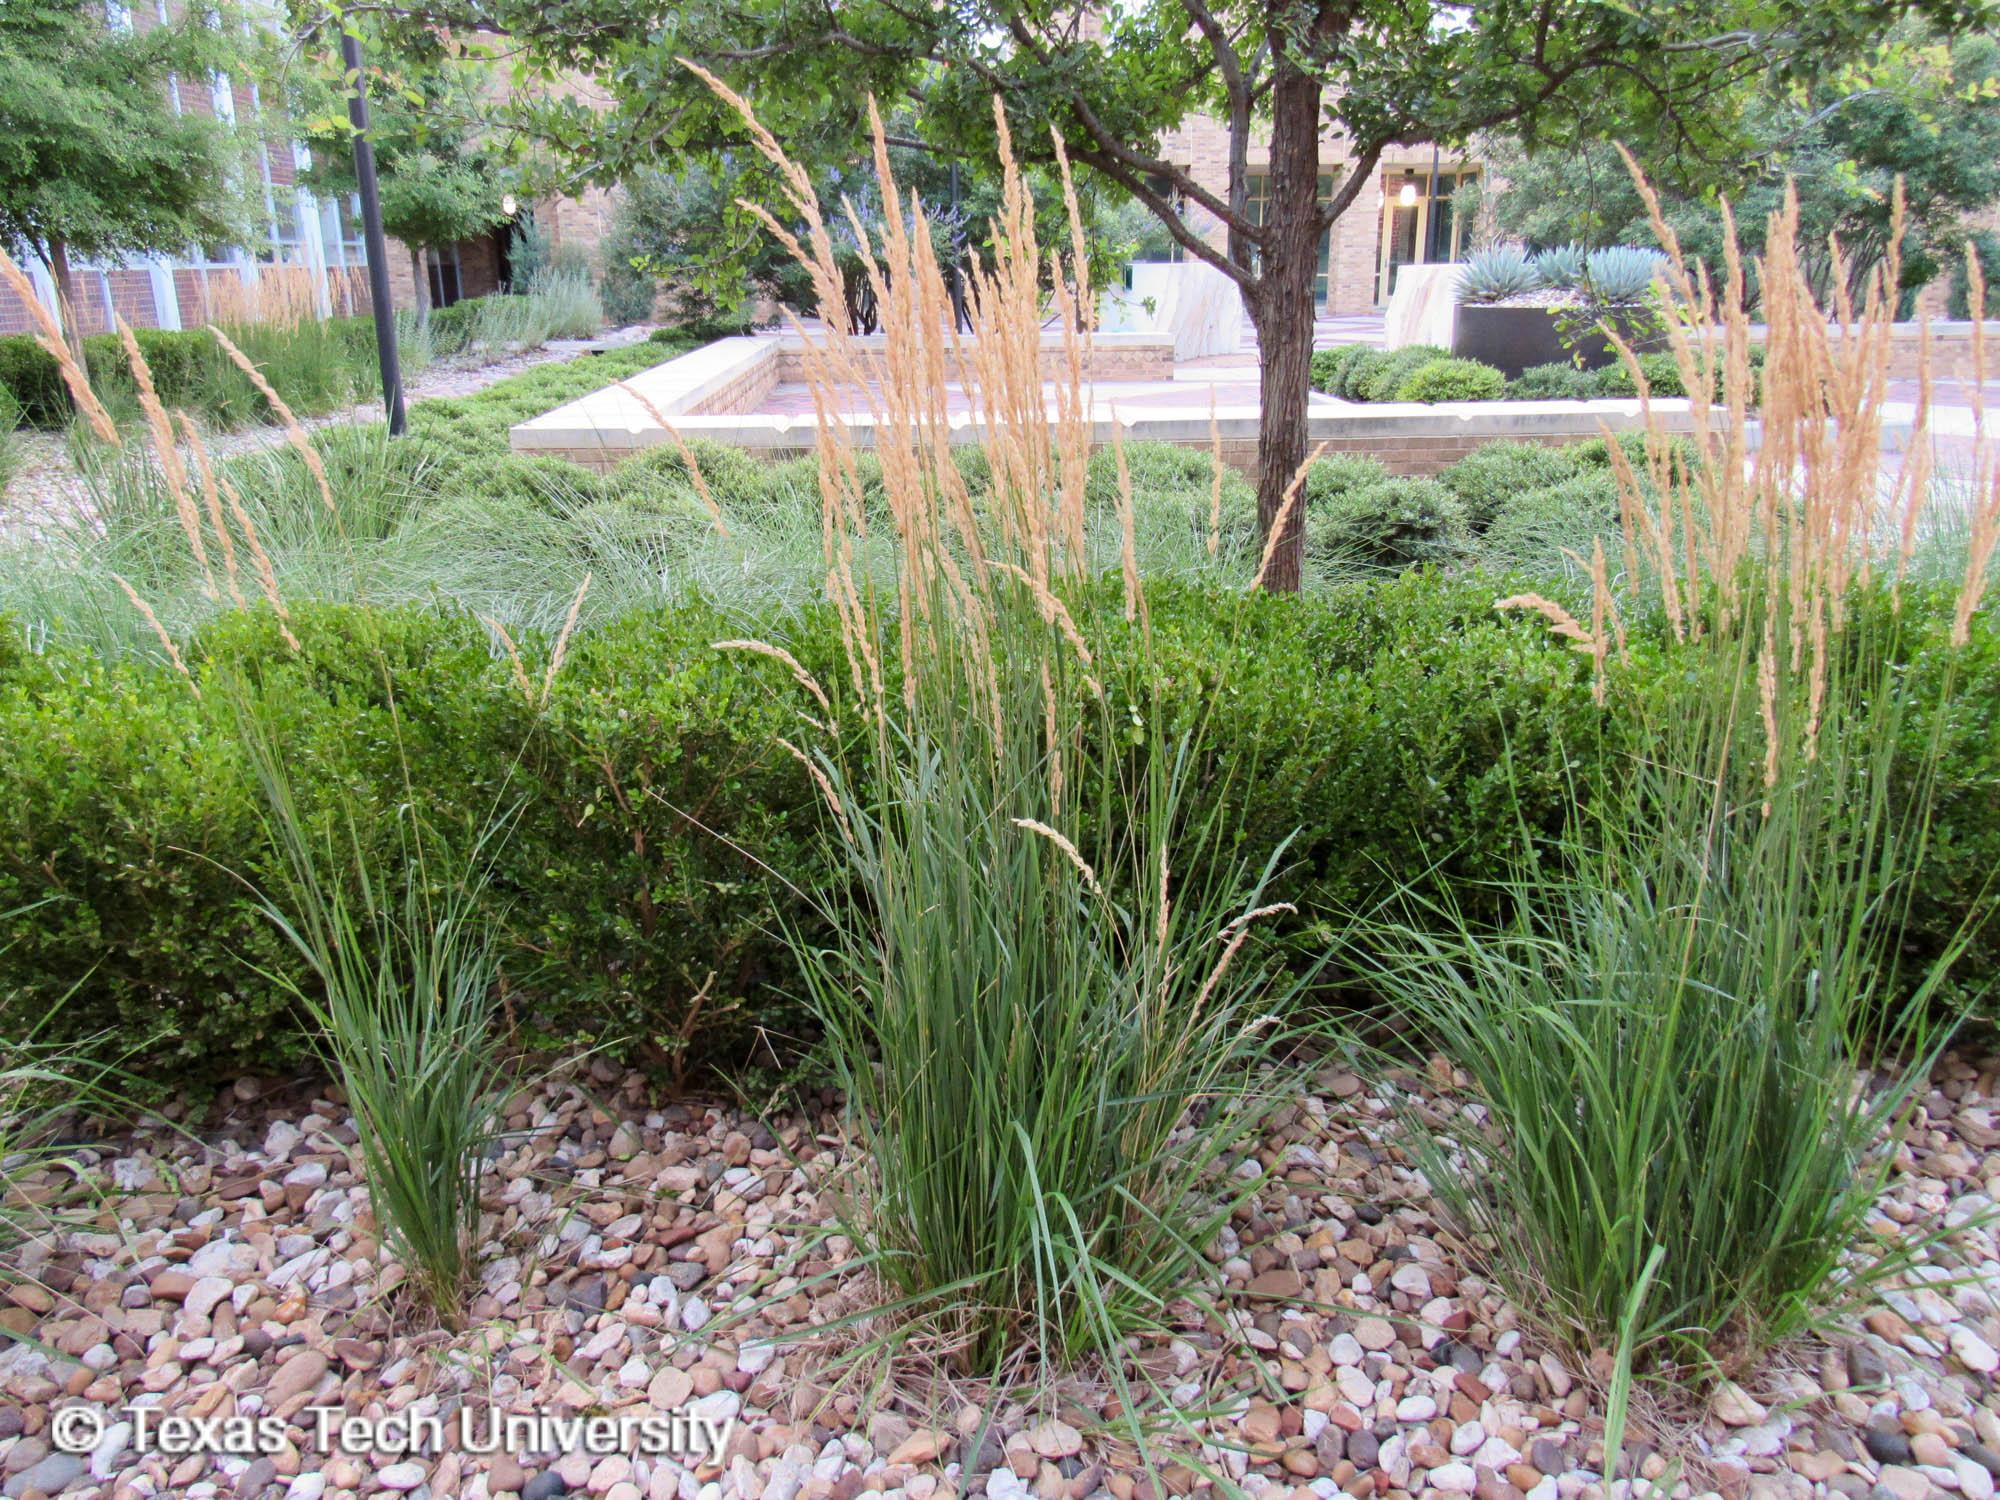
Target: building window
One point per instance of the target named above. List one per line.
(1260, 198)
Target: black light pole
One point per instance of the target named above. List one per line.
(371, 235)
(953, 281)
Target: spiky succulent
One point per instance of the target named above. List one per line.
(1497, 274)
(1559, 265)
(1621, 273)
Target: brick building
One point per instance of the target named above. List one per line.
(1403, 216)
(309, 239)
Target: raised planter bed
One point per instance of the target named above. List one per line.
(1513, 339)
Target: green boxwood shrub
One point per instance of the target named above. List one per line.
(1379, 379)
(1532, 528)
(1487, 478)
(1556, 382)
(32, 377)
(1400, 728)
(1452, 380)
(317, 367)
(1329, 479)
(1330, 366)
(1392, 523)
(661, 831)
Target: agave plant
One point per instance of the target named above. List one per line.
(1559, 265)
(1499, 273)
(1621, 273)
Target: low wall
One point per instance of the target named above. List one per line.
(1111, 356)
(726, 379)
(1408, 438)
(1951, 349)
(707, 392)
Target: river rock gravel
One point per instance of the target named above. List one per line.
(644, 1257)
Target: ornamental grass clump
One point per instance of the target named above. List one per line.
(401, 950)
(404, 958)
(1689, 1055)
(1047, 1027)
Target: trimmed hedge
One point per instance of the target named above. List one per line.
(1453, 380)
(189, 370)
(1418, 372)
(1401, 727)
(659, 822)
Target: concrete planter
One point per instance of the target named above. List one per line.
(1513, 339)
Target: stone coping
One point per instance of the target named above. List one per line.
(705, 394)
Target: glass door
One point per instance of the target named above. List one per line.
(1419, 226)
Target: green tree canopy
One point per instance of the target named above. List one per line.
(1934, 122)
(95, 160)
(688, 230)
(1116, 77)
(442, 179)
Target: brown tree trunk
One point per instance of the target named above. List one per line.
(1282, 310)
(65, 278)
(421, 280)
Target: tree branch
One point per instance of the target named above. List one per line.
(1176, 226)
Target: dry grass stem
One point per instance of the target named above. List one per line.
(514, 662)
(1283, 520)
(267, 575)
(166, 452)
(295, 433)
(695, 476)
(159, 632)
(779, 654)
(825, 786)
(562, 640)
(1069, 851)
(49, 335)
(1984, 518)
(212, 499)
(1772, 537)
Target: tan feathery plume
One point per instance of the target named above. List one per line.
(562, 639)
(1128, 549)
(213, 499)
(167, 455)
(825, 786)
(1068, 849)
(267, 576)
(1057, 614)
(800, 675)
(1235, 932)
(1561, 621)
(514, 661)
(159, 631)
(295, 433)
(695, 475)
(49, 335)
(1283, 519)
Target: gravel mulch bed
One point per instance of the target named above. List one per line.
(48, 489)
(232, 1272)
